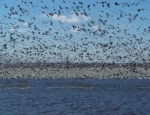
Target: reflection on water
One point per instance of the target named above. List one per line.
(74, 97)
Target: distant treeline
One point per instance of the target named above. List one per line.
(80, 65)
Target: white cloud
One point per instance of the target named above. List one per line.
(25, 24)
(63, 18)
(86, 18)
(68, 19)
(96, 27)
(75, 30)
(43, 15)
(19, 30)
(123, 25)
(14, 16)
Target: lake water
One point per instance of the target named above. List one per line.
(74, 97)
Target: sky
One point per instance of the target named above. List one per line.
(82, 30)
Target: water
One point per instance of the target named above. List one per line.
(74, 97)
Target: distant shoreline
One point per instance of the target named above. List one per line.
(74, 65)
(110, 72)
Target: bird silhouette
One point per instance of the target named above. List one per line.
(90, 32)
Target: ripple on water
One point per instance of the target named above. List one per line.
(15, 84)
(75, 96)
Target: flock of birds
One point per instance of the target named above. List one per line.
(95, 39)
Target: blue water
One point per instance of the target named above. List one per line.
(74, 97)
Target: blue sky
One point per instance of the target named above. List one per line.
(77, 30)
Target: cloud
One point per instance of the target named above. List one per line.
(68, 19)
(14, 16)
(96, 27)
(75, 30)
(86, 18)
(63, 18)
(123, 25)
(23, 28)
(24, 24)
(19, 30)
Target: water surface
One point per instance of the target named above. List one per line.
(74, 97)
